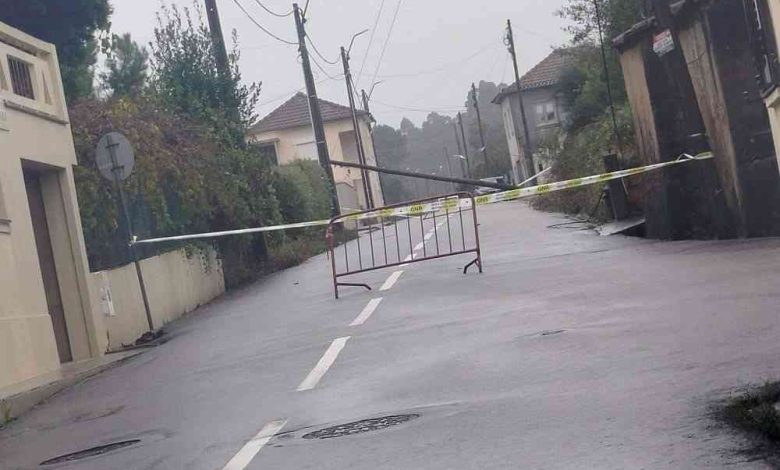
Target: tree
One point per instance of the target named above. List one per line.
(616, 17)
(494, 130)
(186, 82)
(186, 77)
(583, 85)
(126, 66)
(71, 25)
(392, 152)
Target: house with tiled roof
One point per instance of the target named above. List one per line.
(286, 135)
(545, 111)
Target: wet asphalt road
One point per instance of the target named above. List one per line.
(571, 351)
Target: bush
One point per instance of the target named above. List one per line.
(302, 190)
(582, 155)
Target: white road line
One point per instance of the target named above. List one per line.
(367, 311)
(408, 258)
(418, 246)
(428, 236)
(326, 361)
(390, 282)
(406, 261)
(251, 448)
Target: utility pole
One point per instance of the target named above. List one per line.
(314, 109)
(449, 166)
(481, 132)
(373, 144)
(528, 164)
(364, 176)
(457, 138)
(217, 40)
(465, 145)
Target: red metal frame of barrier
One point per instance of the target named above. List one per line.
(450, 247)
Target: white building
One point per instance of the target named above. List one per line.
(288, 133)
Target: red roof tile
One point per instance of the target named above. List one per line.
(295, 113)
(546, 73)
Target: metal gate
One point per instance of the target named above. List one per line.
(396, 236)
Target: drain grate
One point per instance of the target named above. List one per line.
(366, 425)
(92, 452)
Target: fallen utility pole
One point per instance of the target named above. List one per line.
(465, 145)
(364, 176)
(314, 109)
(528, 157)
(470, 182)
(481, 132)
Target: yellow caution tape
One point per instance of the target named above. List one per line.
(448, 203)
(580, 182)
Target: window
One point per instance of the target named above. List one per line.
(267, 151)
(306, 151)
(545, 113)
(21, 79)
(349, 148)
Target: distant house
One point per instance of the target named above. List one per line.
(544, 109)
(287, 134)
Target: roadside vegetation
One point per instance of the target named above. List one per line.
(588, 132)
(757, 414)
(194, 170)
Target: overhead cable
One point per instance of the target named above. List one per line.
(262, 27)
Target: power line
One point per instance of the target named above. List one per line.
(370, 40)
(280, 97)
(419, 110)
(273, 12)
(442, 67)
(261, 26)
(317, 51)
(319, 66)
(387, 40)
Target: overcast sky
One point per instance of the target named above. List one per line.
(436, 49)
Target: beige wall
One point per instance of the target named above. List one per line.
(773, 110)
(773, 100)
(287, 140)
(35, 134)
(175, 283)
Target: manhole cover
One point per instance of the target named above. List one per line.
(366, 425)
(83, 454)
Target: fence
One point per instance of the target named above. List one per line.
(391, 233)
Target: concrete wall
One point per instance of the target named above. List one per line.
(721, 65)
(287, 140)
(175, 283)
(35, 136)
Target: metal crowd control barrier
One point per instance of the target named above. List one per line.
(392, 231)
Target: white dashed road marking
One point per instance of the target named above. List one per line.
(390, 282)
(367, 311)
(251, 448)
(322, 367)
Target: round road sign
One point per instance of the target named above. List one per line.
(114, 156)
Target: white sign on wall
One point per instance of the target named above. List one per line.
(663, 43)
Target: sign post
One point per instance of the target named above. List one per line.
(115, 160)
